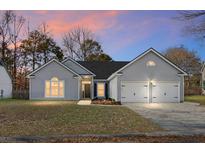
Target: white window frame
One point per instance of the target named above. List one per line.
(50, 81)
(104, 89)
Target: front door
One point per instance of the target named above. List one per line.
(86, 90)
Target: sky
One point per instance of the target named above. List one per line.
(123, 34)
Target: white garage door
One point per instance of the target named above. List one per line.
(134, 92)
(165, 92)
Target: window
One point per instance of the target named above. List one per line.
(101, 89)
(151, 63)
(54, 88)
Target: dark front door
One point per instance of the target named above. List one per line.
(87, 91)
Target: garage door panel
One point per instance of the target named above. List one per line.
(134, 91)
(165, 92)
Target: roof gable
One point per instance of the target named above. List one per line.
(53, 60)
(77, 67)
(145, 53)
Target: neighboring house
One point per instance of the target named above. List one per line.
(203, 78)
(150, 77)
(5, 82)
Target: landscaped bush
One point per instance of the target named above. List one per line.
(108, 101)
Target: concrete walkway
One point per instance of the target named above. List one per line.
(84, 102)
(175, 118)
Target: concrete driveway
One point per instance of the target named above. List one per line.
(175, 118)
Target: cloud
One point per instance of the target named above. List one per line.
(141, 30)
(93, 20)
(41, 12)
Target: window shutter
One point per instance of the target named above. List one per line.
(95, 90)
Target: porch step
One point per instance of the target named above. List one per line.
(84, 102)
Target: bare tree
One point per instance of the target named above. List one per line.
(191, 63)
(43, 29)
(195, 22)
(5, 21)
(73, 41)
(189, 15)
(15, 30)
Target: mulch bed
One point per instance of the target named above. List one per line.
(105, 102)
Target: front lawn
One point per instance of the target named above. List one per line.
(44, 118)
(196, 98)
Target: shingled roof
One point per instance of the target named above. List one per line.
(103, 70)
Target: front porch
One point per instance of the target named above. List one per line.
(86, 87)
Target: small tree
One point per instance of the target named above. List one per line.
(5, 39)
(5, 21)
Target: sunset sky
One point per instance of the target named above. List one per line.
(123, 34)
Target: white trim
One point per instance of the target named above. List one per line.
(203, 66)
(143, 54)
(92, 88)
(182, 90)
(79, 88)
(30, 88)
(100, 80)
(149, 92)
(78, 65)
(53, 60)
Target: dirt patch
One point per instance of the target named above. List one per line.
(2, 117)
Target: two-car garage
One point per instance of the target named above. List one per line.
(146, 91)
(149, 78)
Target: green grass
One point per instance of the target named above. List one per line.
(44, 118)
(196, 98)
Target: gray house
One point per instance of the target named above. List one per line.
(203, 79)
(150, 77)
(5, 82)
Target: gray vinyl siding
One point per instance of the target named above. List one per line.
(75, 67)
(113, 89)
(5, 83)
(182, 89)
(37, 83)
(138, 71)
